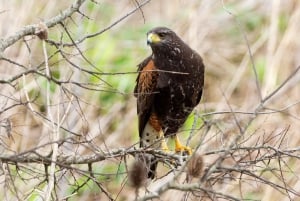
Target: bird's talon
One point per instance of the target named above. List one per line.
(179, 148)
(184, 150)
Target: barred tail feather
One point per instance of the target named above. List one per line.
(153, 139)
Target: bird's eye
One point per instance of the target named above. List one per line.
(161, 35)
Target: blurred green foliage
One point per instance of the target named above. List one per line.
(193, 122)
(260, 64)
(283, 22)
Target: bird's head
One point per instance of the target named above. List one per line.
(160, 37)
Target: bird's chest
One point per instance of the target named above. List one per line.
(175, 82)
(179, 92)
(172, 75)
(174, 93)
(172, 102)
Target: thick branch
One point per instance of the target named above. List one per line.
(34, 157)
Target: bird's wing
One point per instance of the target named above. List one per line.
(145, 90)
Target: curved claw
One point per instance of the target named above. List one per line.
(179, 148)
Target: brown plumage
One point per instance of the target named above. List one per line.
(169, 86)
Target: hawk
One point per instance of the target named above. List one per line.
(168, 87)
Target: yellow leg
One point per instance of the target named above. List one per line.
(164, 145)
(180, 148)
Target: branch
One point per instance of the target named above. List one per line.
(102, 30)
(31, 29)
(34, 157)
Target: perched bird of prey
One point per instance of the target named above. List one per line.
(168, 87)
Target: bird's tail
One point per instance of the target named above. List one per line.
(153, 139)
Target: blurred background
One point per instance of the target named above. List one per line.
(249, 48)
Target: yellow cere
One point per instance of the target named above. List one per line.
(153, 38)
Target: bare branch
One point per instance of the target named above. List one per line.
(31, 29)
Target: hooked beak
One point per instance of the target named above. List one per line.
(152, 38)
